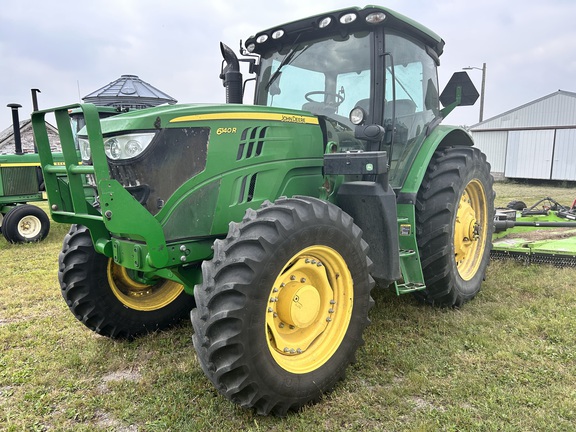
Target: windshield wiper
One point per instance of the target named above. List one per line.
(287, 59)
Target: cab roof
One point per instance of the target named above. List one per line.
(343, 22)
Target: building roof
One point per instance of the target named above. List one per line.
(128, 91)
(27, 138)
(557, 109)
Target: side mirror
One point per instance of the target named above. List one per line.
(459, 91)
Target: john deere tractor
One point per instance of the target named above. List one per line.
(270, 222)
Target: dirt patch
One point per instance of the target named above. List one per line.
(106, 421)
(116, 376)
(124, 375)
(422, 404)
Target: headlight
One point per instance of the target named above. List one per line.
(84, 146)
(357, 115)
(127, 146)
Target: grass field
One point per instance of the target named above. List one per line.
(504, 362)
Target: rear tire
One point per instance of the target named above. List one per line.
(283, 305)
(454, 219)
(105, 299)
(25, 224)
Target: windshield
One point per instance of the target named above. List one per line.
(327, 77)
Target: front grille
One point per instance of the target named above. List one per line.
(173, 157)
(19, 180)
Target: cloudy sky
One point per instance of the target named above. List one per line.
(68, 49)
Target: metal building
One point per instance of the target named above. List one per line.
(534, 141)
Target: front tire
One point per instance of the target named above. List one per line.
(454, 219)
(25, 224)
(103, 296)
(283, 305)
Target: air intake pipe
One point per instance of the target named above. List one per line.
(231, 75)
(16, 125)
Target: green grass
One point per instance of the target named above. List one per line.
(504, 362)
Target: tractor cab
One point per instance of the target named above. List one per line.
(369, 73)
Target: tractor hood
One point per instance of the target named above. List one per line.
(169, 116)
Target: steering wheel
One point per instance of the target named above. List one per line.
(338, 97)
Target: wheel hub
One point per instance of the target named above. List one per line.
(299, 306)
(466, 228)
(471, 220)
(139, 296)
(29, 226)
(309, 309)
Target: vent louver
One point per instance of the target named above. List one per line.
(251, 142)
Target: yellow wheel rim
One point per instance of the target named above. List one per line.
(470, 230)
(309, 309)
(139, 296)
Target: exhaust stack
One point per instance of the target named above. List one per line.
(16, 125)
(231, 75)
(35, 98)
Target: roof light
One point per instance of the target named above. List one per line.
(375, 17)
(251, 47)
(277, 34)
(348, 18)
(262, 38)
(325, 22)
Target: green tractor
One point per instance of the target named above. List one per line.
(270, 222)
(20, 183)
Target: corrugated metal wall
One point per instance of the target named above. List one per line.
(493, 145)
(529, 154)
(564, 165)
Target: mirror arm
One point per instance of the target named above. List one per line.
(448, 109)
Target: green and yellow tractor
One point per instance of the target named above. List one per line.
(268, 223)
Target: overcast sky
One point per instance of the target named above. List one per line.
(68, 49)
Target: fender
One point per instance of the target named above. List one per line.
(441, 136)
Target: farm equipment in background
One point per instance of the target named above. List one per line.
(544, 233)
(271, 221)
(20, 183)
